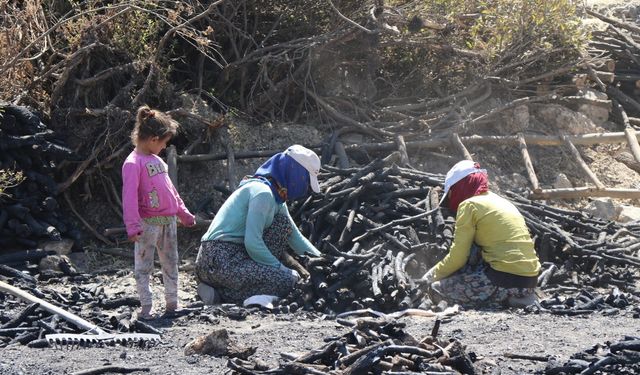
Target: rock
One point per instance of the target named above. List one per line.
(604, 208)
(629, 213)
(564, 120)
(57, 263)
(516, 181)
(598, 114)
(627, 159)
(62, 247)
(218, 343)
(515, 120)
(50, 263)
(562, 182)
(80, 261)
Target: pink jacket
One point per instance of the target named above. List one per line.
(147, 191)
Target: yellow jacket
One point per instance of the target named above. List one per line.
(495, 225)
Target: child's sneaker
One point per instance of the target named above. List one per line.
(172, 311)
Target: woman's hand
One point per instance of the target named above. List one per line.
(428, 277)
(289, 271)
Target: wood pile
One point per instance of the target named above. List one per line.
(30, 211)
(622, 357)
(377, 237)
(373, 346)
(617, 49)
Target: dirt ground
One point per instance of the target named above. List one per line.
(488, 334)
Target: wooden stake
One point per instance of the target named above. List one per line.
(582, 163)
(527, 163)
(231, 167)
(172, 162)
(457, 142)
(629, 132)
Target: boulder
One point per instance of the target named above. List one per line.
(80, 261)
(598, 114)
(62, 247)
(55, 263)
(515, 120)
(565, 120)
(604, 208)
(629, 213)
(562, 182)
(514, 181)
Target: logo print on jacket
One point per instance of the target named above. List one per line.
(154, 169)
(154, 201)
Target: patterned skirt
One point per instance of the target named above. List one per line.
(227, 267)
(471, 287)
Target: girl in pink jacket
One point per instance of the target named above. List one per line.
(151, 205)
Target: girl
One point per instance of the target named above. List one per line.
(150, 204)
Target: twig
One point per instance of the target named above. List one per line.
(106, 369)
(86, 224)
(527, 357)
(354, 23)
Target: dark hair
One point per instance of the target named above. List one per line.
(153, 123)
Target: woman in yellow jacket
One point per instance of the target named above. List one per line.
(508, 272)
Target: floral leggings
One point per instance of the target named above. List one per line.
(164, 239)
(471, 287)
(227, 267)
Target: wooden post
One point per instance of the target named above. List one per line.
(584, 192)
(172, 162)
(527, 163)
(582, 163)
(402, 147)
(231, 167)
(457, 142)
(343, 159)
(632, 141)
(531, 139)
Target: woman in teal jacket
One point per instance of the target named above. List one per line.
(240, 254)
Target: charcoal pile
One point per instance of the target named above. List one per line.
(578, 250)
(377, 235)
(587, 302)
(373, 346)
(39, 316)
(622, 357)
(371, 227)
(30, 211)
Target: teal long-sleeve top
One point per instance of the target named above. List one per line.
(245, 215)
